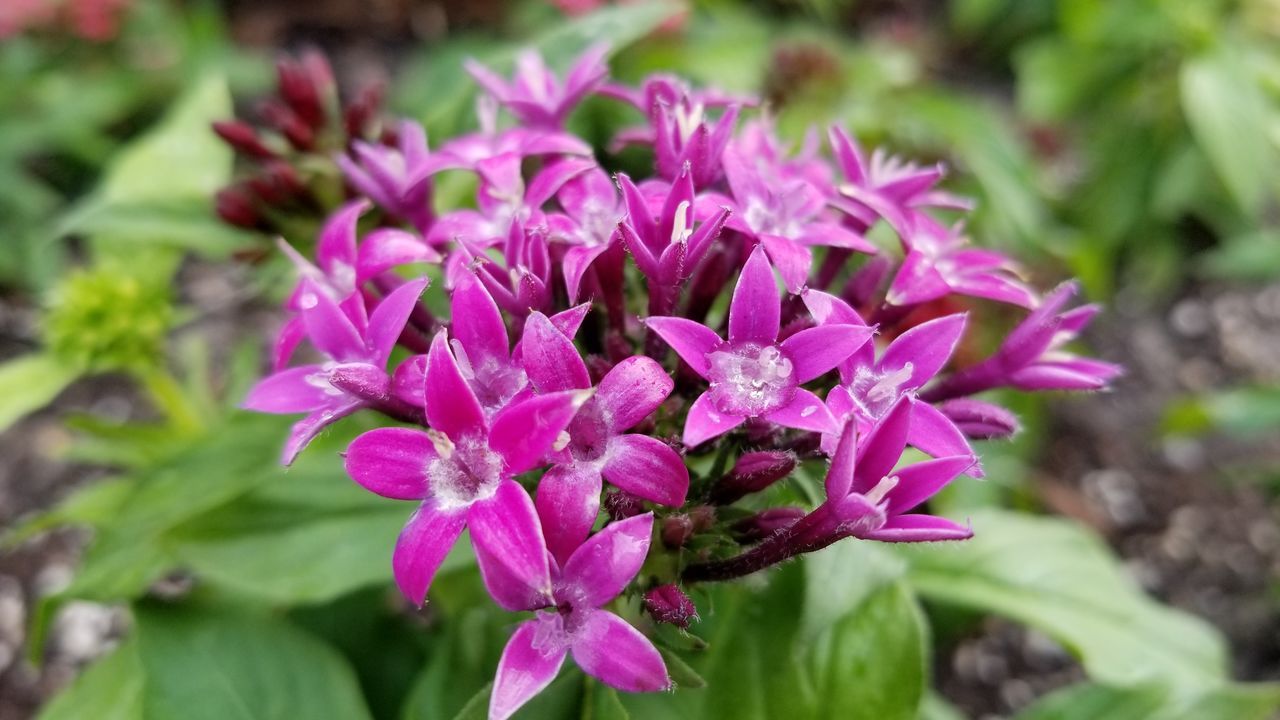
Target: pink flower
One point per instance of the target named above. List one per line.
(604, 645)
(752, 375)
(535, 95)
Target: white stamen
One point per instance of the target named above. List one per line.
(888, 386)
(680, 229)
(882, 488)
(443, 445)
(562, 441)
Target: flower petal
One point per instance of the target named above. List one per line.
(527, 667)
(296, 390)
(705, 422)
(337, 242)
(306, 429)
(389, 318)
(806, 411)
(648, 468)
(386, 248)
(691, 340)
(793, 260)
(919, 482)
(632, 390)
(523, 432)
(613, 652)
(880, 449)
(919, 528)
(391, 462)
(568, 502)
(329, 329)
(755, 311)
(423, 544)
(927, 346)
(452, 407)
(510, 549)
(550, 359)
(817, 350)
(477, 323)
(936, 435)
(601, 568)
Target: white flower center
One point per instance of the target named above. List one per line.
(750, 379)
(465, 471)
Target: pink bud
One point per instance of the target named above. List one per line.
(622, 505)
(242, 138)
(236, 207)
(753, 472)
(766, 523)
(668, 604)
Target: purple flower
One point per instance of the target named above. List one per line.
(523, 282)
(604, 645)
(667, 248)
(940, 261)
(461, 471)
(598, 445)
(535, 95)
(351, 349)
(752, 375)
(870, 388)
(481, 345)
(785, 216)
(1033, 357)
(589, 225)
(868, 498)
(886, 186)
(397, 179)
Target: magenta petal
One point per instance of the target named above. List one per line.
(843, 463)
(648, 468)
(817, 350)
(793, 260)
(881, 448)
(391, 462)
(917, 281)
(296, 390)
(452, 407)
(337, 242)
(510, 549)
(568, 321)
(423, 544)
(306, 429)
(477, 323)
(756, 307)
(613, 652)
(921, 481)
(329, 329)
(550, 359)
(389, 318)
(576, 262)
(919, 528)
(692, 341)
(935, 434)
(287, 340)
(523, 432)
(601, 568)
(528, 666)
(806, 411)
(568, 502)
(386, 248)
(705, 422)
(927, 346)
(632, 390)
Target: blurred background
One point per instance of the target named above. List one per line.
(1131, 143)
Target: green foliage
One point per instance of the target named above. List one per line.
(1148, 702)
(28, 383)
(109, 319)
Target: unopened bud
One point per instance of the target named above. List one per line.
(668, 604)
(621, 505)
(236, 207)
(299, 91)
(753, 472)
(360, 113)
(676, 531)
(299, 135)
(361, 380)
(242, 138)
(980, 420)
(767, 523)
(702, 517)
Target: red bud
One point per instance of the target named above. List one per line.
(668, 604)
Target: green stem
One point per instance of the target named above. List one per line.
(166, 393)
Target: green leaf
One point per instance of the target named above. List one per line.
(1059, 578)
(1153, 702)
(221, 665)
(91, 505)
(1229, 115)
(30, 382)
(786, 644)
(110, 689)
(1250, 256)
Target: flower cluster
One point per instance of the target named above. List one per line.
(605, 334)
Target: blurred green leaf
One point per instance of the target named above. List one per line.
(30, 382)
(109, 689)
(1153, 702)
(220, 665)
(1250, 256)
(1060, 579)
(89, 506)
(1242, 411)
(1229, 115)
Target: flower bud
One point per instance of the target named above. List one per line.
(980, 420)
(676, 531)
(766, 523)
(298, 88)
(361, 112)
(753, 472)
(621, 505)
(242, 138)
(361, 380)
(668, 604)
(236, 207)
(284, 119)
(702, 517)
